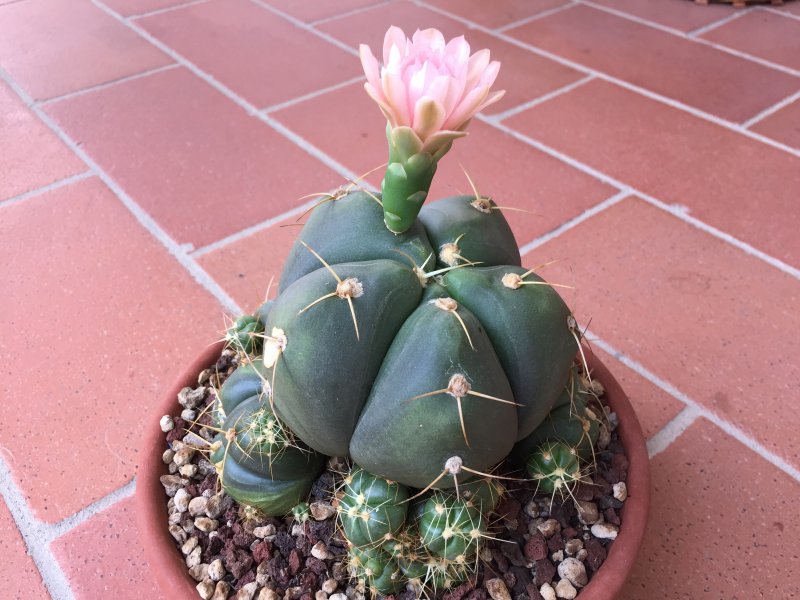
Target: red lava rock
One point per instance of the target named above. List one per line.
(536, 547)
(595, 553)
(509, 579)
(458, 593)
(555, 543)
(513, 553)
(277, 569)
(307, 596)
(308, 581)
(294, 562)
(316, 565)
(543, 572)
(262, 551)
(533, 592)
(284, 542)
(248, 577)
(509, 508)
(178, 431)
(236, 560)
(569, 533)
(611, 516)
(242, 538)
(477, 594)
(522, 577)
(500, 560)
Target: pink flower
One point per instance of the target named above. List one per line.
(429, 85)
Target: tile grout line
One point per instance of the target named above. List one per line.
(719, 23)
(106, 84)
(730, 125)
(721, 423)
(197, 273)
(698, 40)
(166, 9)
(574, 221)
(67, 524)
(672, 430)
(778, 12)
(535, 17)
(543, 98)
(59, 183)
(771, 110)
(312, 95)
(349, 13)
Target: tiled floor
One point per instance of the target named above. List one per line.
(153, 153)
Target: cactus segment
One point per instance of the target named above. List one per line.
(451, 527)
(351, 229)
(440, 388)
(246, 381)
(432, 291)
(323, 367)
(555, 468)
(372, 508)
(530, 327)
(301, 512)
(245, 335)
(262, 312)
(466, 229)
(484, 493)
(377, 569)
(423, 569)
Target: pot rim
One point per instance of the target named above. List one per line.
(169, 567)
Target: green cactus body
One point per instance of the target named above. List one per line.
(262, 312)
(464, 229)
(570, 422)
(372, 509)
(555, 468)
(426, 570)
(531, 326)
(245, 334)
(377, 569)
(484, 493)
(451, 527)
(323, 375)
(426, 394)
(350, 229)
(301, 512)
(246, 381)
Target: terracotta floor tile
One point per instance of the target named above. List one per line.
(762, 34)
(654, 407)
(314, 10)
(191, 158)
(718, 83)
(103, 557)
(514, 174)
(736, 184)
(252, 51)
(723, 524)
(523, 75)
(678, 14)
(783, 125)
(21, 579)
(32, 155)
(697, 312)
(138, 7)
(244, 268)
(496, 13)
(789, 7)
(51, 47)
(89, 323)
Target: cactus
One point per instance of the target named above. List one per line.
(245, 334)
(377, 568)
(555, 467)
(372, 508)
(451, 527)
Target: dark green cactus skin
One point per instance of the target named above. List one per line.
(429, 349)
(246, 381)
(262, 312)
(245, 334)
(450, 527)
(350, 229)
(482, 232)
(372, 508)
(531, 332)
(302, 512)
(379, 571)
(484, 494)
(555, 468)
(569, 423)
(323, 377)
(425, 570)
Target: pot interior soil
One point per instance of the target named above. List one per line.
(542, 547)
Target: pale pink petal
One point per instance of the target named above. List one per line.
(394, 90)
(491, 100)
(378, 97)
(428, 117)
(395, 38)
(440, 139)
(466, 108)
(489, 75)
(456, 54)
(477, 64)
(370, 64)
(428, 39)
(416, 87)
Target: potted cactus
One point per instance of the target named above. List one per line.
(407, 340)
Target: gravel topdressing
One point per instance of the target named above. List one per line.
(543, 549)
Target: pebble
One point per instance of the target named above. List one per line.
(247, 591)
(215, 506)
(605, 531)
(205, 589)
(620, 491)
(573, 570)
(197, 506)
(205, 524)
(588, 513)
(189, 470)
(322, 510)
(184, 456)
(199, 572)
(172, 483)
(190, 398)
(603, 437)
(221, 591)
(338, 596)
(547, 592)
(193, 559)
(298, 529)
(564, 589)
(320, 595)
(532, 509)
(549, 528)
(497, 589)
(190, 545)
(557, 556)
(268, 594)
(265, 531)
(169, 453)
(181, 499)
(582, 554)
(320, 551)
(166, 423)
(188, 414)
(572, 547)
(329, 586)
(216, 570)
(178, 533)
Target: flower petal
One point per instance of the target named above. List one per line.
(370, 65)
(394, 38)
(428, 117)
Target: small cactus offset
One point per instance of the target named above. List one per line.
(409, 340)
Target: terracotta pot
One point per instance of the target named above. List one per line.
(168, 565)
